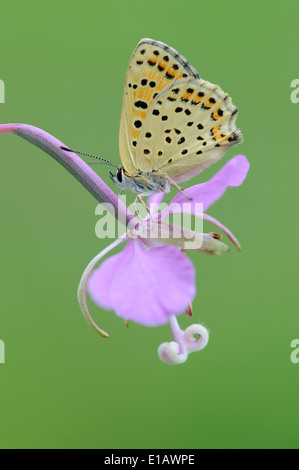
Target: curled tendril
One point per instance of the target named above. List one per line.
(191, 343)
(176, 352)
(84, 281)
(170, 353)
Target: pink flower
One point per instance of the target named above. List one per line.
(150, 283)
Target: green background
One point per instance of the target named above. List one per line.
(64, 66)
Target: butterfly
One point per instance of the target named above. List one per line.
(173, 123)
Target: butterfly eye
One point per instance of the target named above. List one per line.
(119, 175)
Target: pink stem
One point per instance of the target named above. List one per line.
(74, 164)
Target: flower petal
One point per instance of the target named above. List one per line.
(182, 237)
(99, 284)
(188, 208)
(144, 285)
(232, 174)
(155, 198)
(153, 203)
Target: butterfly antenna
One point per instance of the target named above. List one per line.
(92, 156)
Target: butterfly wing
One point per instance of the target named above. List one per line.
(188, 126)
(152, 68)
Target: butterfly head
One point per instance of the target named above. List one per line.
(120, 179)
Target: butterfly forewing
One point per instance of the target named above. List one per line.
(172, 121)
(152, 68)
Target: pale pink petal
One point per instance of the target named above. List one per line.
(232, 174)
(101, 279)
(155, 198)
(144, 285)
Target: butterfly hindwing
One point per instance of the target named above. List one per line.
(152, 68)
(188, 126)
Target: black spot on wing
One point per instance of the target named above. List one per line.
(137, 123)
(141, 104)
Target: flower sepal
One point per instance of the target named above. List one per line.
(163, 233)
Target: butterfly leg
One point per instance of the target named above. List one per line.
(173, 183)
(136, 210)
(139, 198)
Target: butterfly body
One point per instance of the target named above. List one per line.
(141, 183)
(173, 123)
